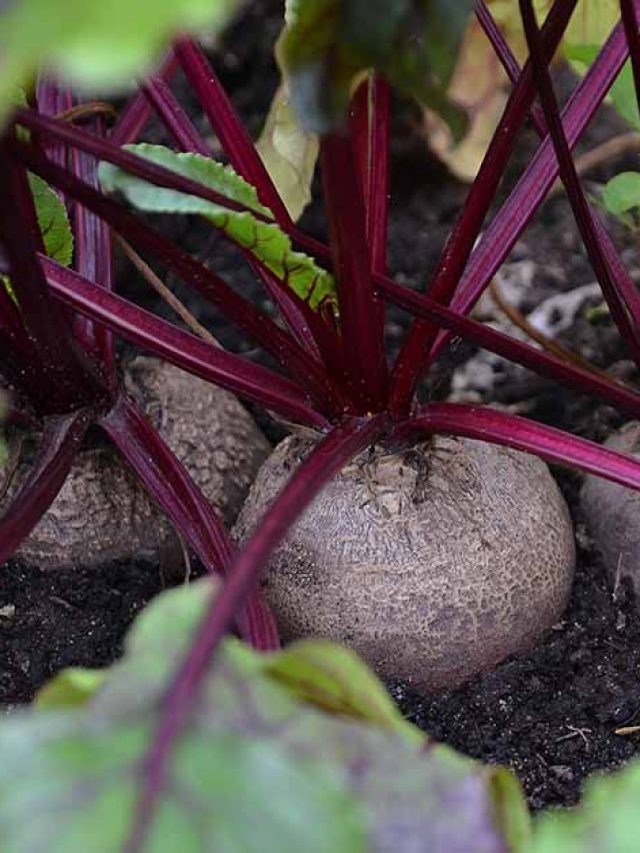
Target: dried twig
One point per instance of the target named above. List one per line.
(518, 319)
(86, 109)
(612, 148)
(576, 731)
(169, 297)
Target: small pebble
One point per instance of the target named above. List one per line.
(8, 611)
(562, 772)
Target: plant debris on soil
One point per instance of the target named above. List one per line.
(550, 715)
(71, 617)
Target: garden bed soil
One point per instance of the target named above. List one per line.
(550, 715)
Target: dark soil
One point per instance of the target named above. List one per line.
(550, 715)
(76, 617)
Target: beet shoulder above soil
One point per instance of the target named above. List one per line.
(433, 565)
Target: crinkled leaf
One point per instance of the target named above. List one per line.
(265, 240)
(622, 194)
(607, 820)
(289, 153)
(97, 44)
(53, 221)
(479, 87)
(327, 44)
(257, 768)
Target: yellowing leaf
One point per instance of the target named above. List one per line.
(592, 21)
(289, 154)
(479, 85)
(327, 43)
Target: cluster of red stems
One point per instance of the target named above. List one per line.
(57, 349)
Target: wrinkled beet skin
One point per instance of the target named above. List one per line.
(613, 514)
(433, 565)
(104, 513)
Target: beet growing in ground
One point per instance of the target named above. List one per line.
(550, 715)
(419, 561)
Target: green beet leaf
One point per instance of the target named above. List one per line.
(53, 221)
(71, 688)
(228, 792)
(335, 679)
(265, 240)
(95, 44)
(327, 46)
(621, 195)
(259, 767)
(54, 227)
(623, 92)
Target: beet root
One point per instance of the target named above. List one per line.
(434, 565)
(612, 513)
(104, 513)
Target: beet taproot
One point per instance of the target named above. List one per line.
(434, 564)
(104, 513)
